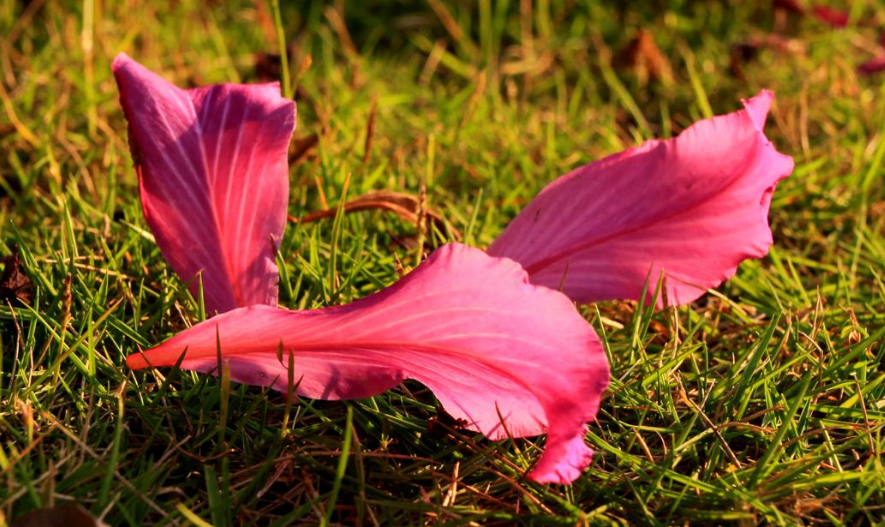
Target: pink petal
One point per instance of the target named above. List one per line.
(468, 326)
(694, 206)
(828, 15)
(213, 176)
(872, 66)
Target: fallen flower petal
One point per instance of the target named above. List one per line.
(694, 206)
(470, 327)
(213, 178)
(828, 15)
(872, 66)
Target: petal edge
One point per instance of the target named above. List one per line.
(692, 207)
(468, 326)
(213, 179)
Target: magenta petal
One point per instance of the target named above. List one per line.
(213, 177)
(872, 66)
(828, 15)
(468, 326)
(694, 206)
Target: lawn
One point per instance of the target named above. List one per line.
(763, 402)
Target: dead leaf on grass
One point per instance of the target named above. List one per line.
(67, 515)
(645, 57)
(15, 286)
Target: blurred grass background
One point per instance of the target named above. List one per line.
(762, 403)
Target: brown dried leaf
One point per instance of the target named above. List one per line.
(301, 147)
(406, 206)
(15, 286)
(643, 55)
(268, 67)
(790, 6)
(67, 515)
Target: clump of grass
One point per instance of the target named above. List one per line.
(761, 403)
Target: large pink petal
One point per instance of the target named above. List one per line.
(694, 206)
(213, 175)
(468, 326)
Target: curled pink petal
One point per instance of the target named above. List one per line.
(470, 327)
(694, 206)
(213, 177)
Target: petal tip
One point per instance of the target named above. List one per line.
(714, 176)
(565, 470)
(120, 60)
(136, 361)
(758, 107)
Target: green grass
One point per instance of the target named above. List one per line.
(762, 403)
